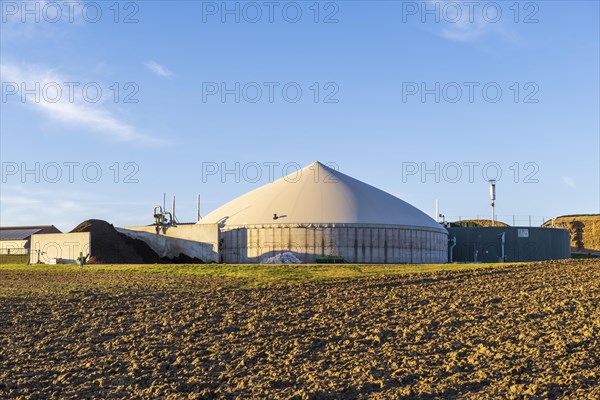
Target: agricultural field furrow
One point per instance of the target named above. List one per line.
(520, 331)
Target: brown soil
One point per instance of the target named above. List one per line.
(515, 332)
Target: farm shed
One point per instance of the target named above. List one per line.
(17, 239)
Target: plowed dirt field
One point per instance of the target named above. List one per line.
(529, 331)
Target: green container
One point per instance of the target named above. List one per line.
(484, 244)
(330, 260)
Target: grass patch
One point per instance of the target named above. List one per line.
(14, 259)
(582, 255)
(252, 275)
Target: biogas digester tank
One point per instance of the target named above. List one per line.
(319, 212)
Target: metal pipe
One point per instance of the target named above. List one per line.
(493, 198)
(199, 217)
(453, 241)
(173, 211)
(502, 241)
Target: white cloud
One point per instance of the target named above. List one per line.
(567, 180)
(23, 209)
(35, 19)
(66, 208)
(472, 31)
(70, 111)
(469, 25)
(158, 69)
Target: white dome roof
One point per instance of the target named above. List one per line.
(318, 194)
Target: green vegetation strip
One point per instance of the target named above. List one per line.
(260, 275)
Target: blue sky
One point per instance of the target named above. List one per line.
(388, 89)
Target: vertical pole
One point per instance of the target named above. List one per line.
(530, 220)
(164, 201)
(173, 210)
(437, 210)
(199, 207)
(493, 200)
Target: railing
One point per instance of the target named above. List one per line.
(512, 220)
(13, 251)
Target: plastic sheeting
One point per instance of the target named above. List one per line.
(282, 258)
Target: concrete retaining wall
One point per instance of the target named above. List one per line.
(369, 244)
(197, 241)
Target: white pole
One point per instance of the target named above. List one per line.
(437, 211)
(493, 199)
(173, 211)
(199, 208)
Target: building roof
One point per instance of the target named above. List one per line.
(318, 194)
(24, 232)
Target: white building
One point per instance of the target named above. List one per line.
(17, 239)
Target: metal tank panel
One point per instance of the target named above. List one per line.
(368, 244)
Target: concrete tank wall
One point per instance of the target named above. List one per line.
(197, 241)
(369, 244)
(521, 244)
